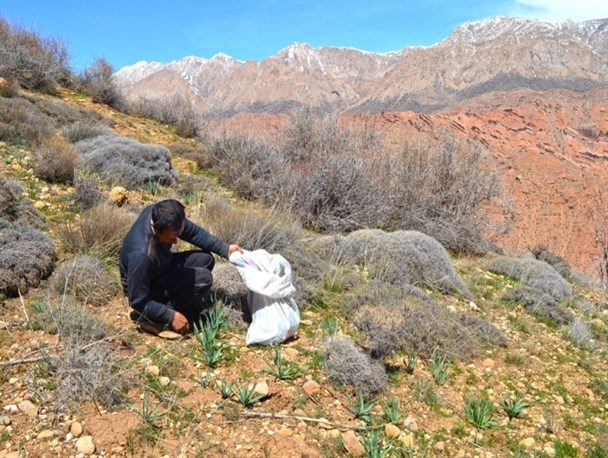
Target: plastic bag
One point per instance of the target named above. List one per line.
(270, 297)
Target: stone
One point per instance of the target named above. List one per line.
(164, 381)
(352, 444)
(5, 419)
(261, 389)
(285, 432)
(153, 370)
(410, 423)
(392, 431)
(311, 387)
(39, 205)
(46, 434)
(439, 446)
(118, 195)
(549, 450)
(489, 362)
(527, 443)
(85, 445)
(28, 408)
(76, 429)
(11, 408)
(407, 440)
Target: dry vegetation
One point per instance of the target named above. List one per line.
(394, 329)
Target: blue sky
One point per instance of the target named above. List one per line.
(125, 31)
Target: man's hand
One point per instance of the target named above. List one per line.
(233, 248)
(180, 323)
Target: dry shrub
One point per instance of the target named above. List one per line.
(14, 210)
(37, 63)
(87, 192)
(379, 293)
(72, 322)
(345, 363)
(22, 123)
(126, 161)
(273, 231)
(26, 258)
(87, 279)
(258, 166)
(99, 231)
(542, 253)
(445, 191)
(483, 330)
(540, 303)
(177, 111)
(82, 130)
(89, 373)
(87, 366)
(97, 81)
(426, 329)
(336, 179)
(54, 161)
(398, 257)
(534, 273)
(9, 88)
(230, 289)
(580, 334)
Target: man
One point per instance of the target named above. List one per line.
(165, 289)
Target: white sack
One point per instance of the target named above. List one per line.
(275, 314)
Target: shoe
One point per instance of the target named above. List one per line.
(151, 327)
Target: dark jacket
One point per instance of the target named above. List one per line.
(143, 257)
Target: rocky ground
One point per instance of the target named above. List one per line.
(173, 406)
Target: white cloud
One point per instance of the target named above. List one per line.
(561, 10)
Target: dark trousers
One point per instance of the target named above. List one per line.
(184, 285)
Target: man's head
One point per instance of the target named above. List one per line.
(168, 220)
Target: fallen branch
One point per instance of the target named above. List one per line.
(323, 421)
(23, 360)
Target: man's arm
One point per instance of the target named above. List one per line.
(138, 290)
(199, 237)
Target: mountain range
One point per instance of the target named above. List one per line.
(502, 53)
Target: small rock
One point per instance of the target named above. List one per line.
(451, 308)
(11, 408)
(407, 440)
(285, 432)
(85, 445)
(46, 434)
(527, 443)
(39, 205)
(489, 362)
(153, 370)
(164, 381)
(392, 431)
(311, 387)
(261, 389)
(118, 195)
(6, 420)
(410, 423)
(352, 444)
(28, 408)
(76, 429)
(299, 413)
(549, 450)
(439, 446)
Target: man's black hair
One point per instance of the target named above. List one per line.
(168, 213)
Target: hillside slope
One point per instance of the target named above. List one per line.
(172, 403)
